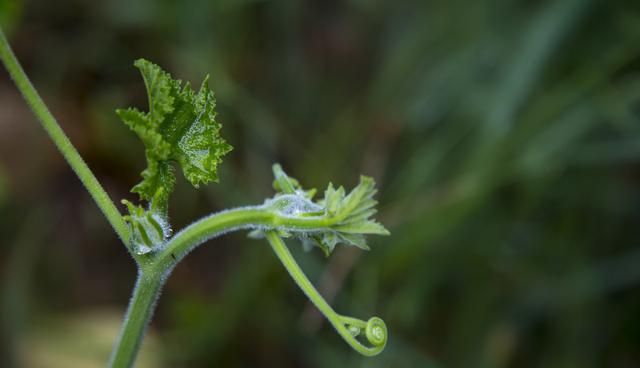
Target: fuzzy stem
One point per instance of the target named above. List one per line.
(234, 219)
(61, 141)
(156, 267)
(139, 312)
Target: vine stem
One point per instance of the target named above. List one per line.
(136, 320)
(234, 219)
(61, 141)
(155, 268)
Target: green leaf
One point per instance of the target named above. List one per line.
(351, 213)
(179, 127)
(363, 227)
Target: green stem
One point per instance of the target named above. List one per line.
(137, 318)
(157, 266)
(375, 329)
(235, 219)
(61, 141)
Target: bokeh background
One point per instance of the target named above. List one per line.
(504, 135)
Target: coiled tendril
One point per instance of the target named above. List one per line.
(360, 202)
(375, 330)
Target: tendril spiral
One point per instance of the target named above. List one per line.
(376, 331)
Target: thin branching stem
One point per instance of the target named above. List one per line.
(155, 266)
(234, 219)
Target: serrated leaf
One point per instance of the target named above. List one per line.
(351, 212)
(357, 240)
(333, 198)
(179, 127)
(159, 180)
(354, 200)
(362, 227)
(360, 216)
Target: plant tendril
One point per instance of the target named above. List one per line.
(349, 328)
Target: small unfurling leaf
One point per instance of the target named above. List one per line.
(149, 228)
(351, 213)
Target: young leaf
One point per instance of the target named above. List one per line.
(351, 214)
(179, 127)
(286, 184)
(149, 228)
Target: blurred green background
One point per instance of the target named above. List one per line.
(504, 135)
